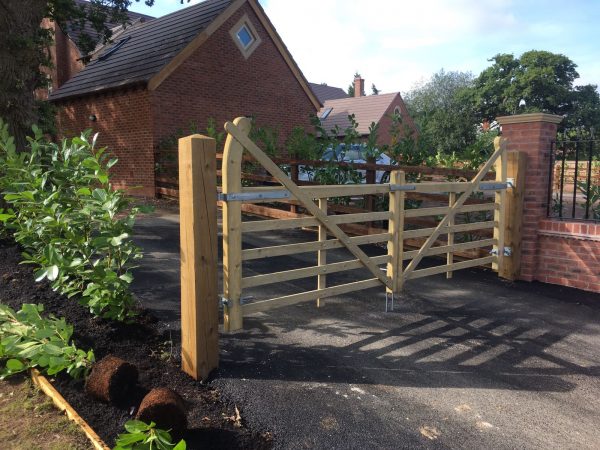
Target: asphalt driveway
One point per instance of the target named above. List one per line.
(472, 362)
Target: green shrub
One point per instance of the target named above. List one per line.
(28, 340)
(143, 436)
(74, 228)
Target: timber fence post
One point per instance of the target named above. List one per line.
(198, 239)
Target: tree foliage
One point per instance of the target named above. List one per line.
(445, 118)
(538, 81)
(25, 54)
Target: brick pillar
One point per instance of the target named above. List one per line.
(532, 134)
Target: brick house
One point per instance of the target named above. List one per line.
(337, 106)
(217, 59)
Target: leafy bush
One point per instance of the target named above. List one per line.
(75, 229)
(143, 436)
(28, 340)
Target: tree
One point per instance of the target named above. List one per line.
(543, 80)
(374, 89)
(585, 112)
(24, 49)
(443, 111)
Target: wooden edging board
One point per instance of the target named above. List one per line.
(59, 401)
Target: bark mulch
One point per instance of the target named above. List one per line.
(213, 422)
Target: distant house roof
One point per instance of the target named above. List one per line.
(366, 109)
(74, 32)
(143, 50)
(324, 92)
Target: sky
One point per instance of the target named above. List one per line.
(398, 44)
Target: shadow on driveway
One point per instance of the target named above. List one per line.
(470, 362)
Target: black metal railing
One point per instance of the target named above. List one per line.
(574, 187)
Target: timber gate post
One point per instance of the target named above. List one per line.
(232, 228)
(198, 237)
(396, 230)
(501, 165)
(516, 170)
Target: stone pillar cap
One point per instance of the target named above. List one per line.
(528, 118)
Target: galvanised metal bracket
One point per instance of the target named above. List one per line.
(224, 300)
(507, 251)
(493, 186)
(402, 187)
(386, 301)
(243, 300)
(250, 196)
(511, 182)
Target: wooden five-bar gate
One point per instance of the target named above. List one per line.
(198, 236)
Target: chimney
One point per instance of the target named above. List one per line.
(359, 86)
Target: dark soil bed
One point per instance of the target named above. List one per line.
(211, 418)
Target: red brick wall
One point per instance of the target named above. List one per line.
(569, 254)
(64, 55)
(124, 122)
(557, 252)
(218, 82)
(534, 139)
(385, 123)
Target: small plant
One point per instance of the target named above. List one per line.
(28, 340)
(213, 131)
(143, 436)
(593, 199)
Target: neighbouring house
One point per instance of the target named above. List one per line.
(325, 92)
(366, 109)
(217, 59)
(67, 58)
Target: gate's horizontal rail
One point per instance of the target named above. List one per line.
(284, 224)
(441, 210)
(305, 272)
(346, 190)
(451, 267)
(452, 248)
(454, 228)
(292, 249)
(287, 300)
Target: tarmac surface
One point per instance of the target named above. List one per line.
(473, 362)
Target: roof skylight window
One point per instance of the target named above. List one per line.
(114, 49)
(326, 113)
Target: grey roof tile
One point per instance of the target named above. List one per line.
(74, 32)
(324, 92)
(150, 46)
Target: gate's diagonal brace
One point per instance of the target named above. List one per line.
(307, 202)
(500, 146)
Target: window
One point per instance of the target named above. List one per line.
(325, 113)
(397, 111)
(244, 36)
